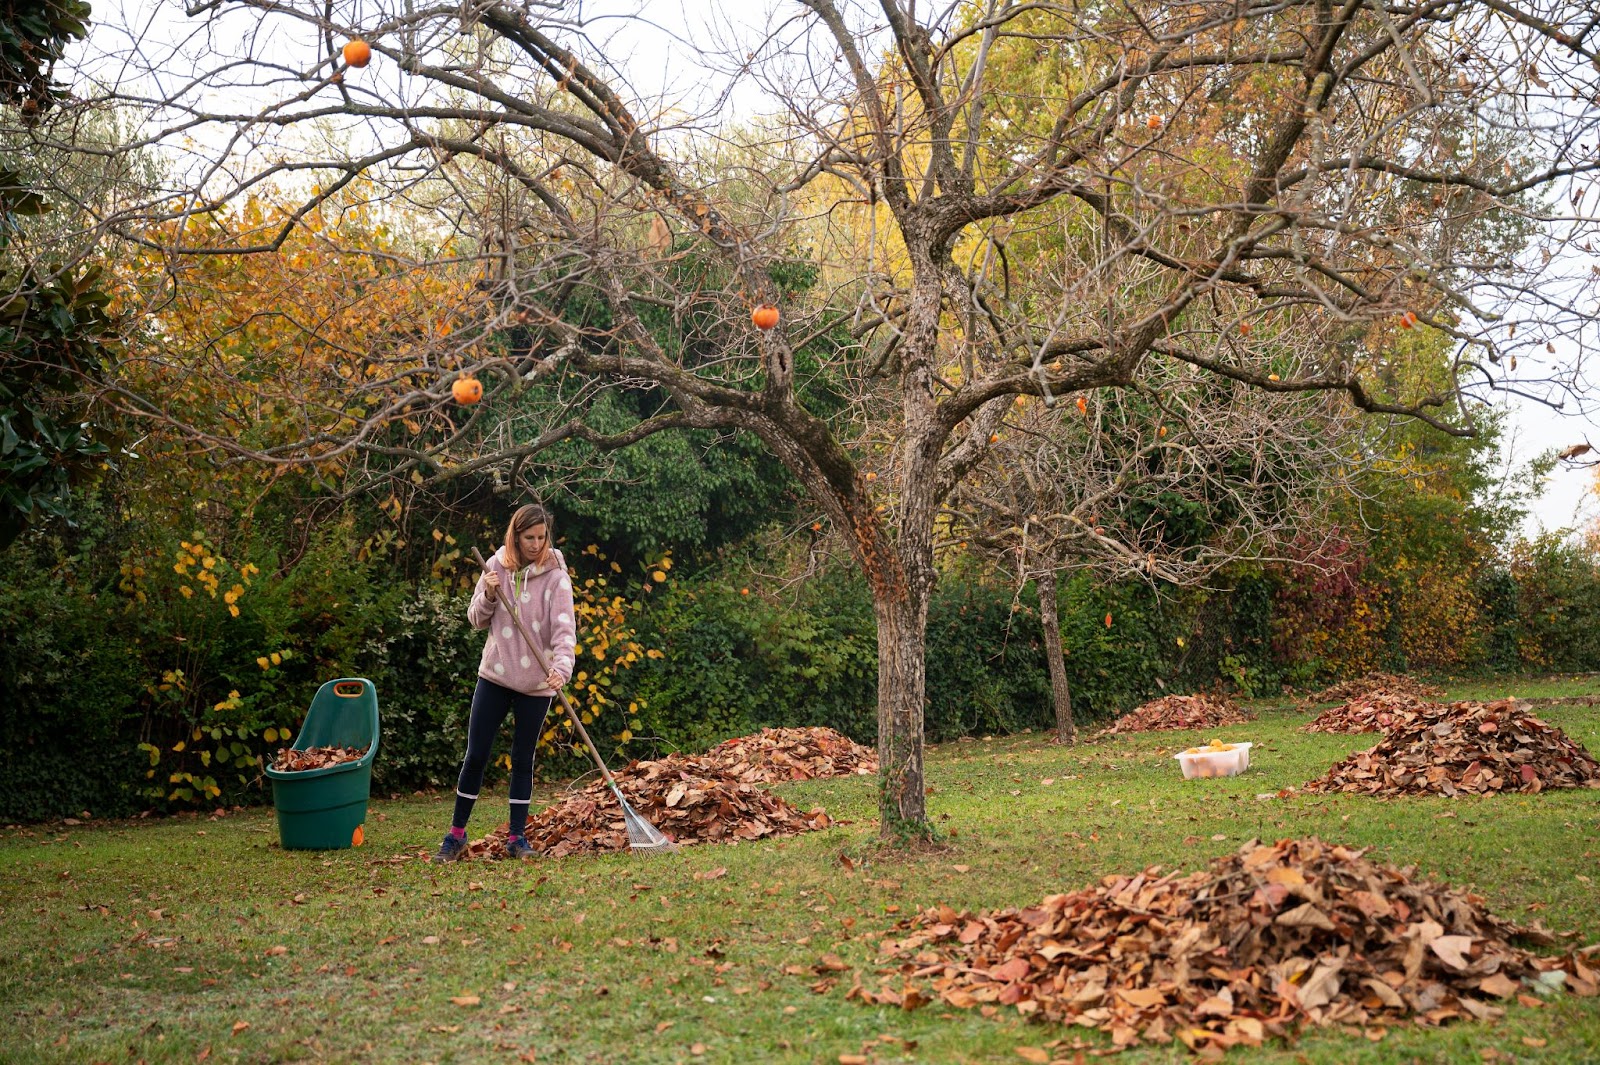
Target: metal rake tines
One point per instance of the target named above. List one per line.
(642, 835)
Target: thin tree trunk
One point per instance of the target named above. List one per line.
(902, 688)
(1045, 584)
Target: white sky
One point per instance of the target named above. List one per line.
(650, 42)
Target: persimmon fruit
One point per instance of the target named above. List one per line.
(467, 390)
(357, 53)
(765, 316)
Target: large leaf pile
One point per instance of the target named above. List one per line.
(774, 755)
(1464, 747)
(1373, 712)
(289, 760)
(1376, 682)
(689, 802)
(1264, 941)
(1181, 712)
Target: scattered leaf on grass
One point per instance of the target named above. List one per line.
(239, 1026)
(1034, 1054)
(465, 1000)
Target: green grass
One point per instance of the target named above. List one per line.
(151, 940)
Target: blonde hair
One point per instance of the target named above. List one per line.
(524, 519)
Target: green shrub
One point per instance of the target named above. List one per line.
(71, 721)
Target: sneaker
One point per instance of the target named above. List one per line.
(452, 849)
(517, 847)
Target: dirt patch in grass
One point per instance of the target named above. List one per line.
(1265, 941)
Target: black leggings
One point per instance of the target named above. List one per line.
(490, 703)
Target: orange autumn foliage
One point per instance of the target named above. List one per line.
(346, 322)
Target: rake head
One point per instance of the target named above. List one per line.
(643, 837)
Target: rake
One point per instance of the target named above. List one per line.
(643, 837)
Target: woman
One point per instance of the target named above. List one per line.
(529, 576)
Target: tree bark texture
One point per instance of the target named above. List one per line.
(1050, 622)
(902, 691)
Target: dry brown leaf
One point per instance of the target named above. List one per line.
(1499, 985)
(1452, 950)
(1035, 1054)
(465, 1000)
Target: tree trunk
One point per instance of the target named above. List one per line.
(902, 689)
(1045, 584)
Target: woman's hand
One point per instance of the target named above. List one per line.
(554, 681)
(491, 581)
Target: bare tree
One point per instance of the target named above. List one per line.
(1003, 199)
(1169, 480)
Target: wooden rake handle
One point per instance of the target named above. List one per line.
(538, 656)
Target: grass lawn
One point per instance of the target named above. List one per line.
(196, 939)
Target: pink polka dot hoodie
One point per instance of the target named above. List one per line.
(543, 598)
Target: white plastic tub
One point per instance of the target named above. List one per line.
(1206, 763)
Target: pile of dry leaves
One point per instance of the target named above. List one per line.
(687, 801)
(774, 755)
(1181, 712)
(1464, 747)
(289, 760)
(1373, 712)
(1392, 683)
(1264, 941)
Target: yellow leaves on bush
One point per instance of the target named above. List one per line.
(607, 642)
(336, 324)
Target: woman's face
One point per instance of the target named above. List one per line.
(533, 543)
